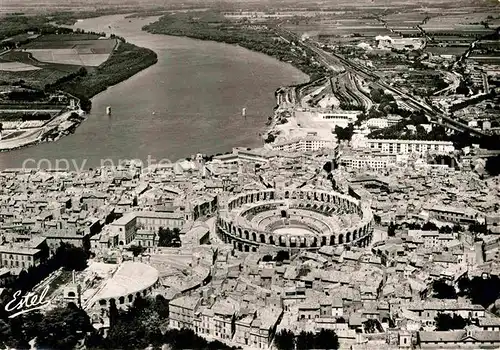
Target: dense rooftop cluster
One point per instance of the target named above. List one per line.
(287, 245)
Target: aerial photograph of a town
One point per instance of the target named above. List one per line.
(250, 174)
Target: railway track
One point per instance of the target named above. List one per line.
(436, 116)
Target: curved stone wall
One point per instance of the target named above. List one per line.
(239, 222)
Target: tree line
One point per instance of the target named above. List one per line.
(168, 237)
(124, 62)
(324, 339)
(211, 25)
(66, 256)
(479, 290)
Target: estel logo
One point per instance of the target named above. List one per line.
(26, 303)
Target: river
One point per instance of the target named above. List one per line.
(189, 102)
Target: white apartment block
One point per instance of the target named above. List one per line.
(307, 144)
(409, 146)
(368, 161)
(377, 123)
(340, 118)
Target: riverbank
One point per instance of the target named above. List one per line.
(190, 101)
(126, 61)
(68, 76)
(61, 125)
(213, 26)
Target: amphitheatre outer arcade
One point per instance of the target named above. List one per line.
(295, 218)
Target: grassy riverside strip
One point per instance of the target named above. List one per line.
(124, 62)
(82, 82)
(264, 38)
(79, 75)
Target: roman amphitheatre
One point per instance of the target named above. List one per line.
(294, 219)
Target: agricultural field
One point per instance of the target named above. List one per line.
(69, 56)
(17, 67)
(20, 38)
(405, 23)
(49, 58)
(339, 26)
(460, 23)
(448, 50)
(83, 50)
(38, 76)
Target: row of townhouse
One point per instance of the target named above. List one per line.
(225, 321)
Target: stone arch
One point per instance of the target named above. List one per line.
(282, 241)
(247, 235)
(254, 237)
(341, 238)
(262, 238)
(271, 239)
(287, 194)
(121, 300)
(130, 298)
(239, 231)
(332, 240)
(348, 237)
(314, 242)
(323, 240)
(354, 235)
(247, 248)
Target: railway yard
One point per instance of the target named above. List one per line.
(440, 63)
